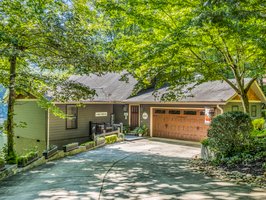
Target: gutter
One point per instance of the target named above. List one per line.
(218, 106)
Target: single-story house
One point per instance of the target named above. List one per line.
(186, 118)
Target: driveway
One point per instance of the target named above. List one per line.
(140, 169)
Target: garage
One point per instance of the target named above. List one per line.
(184, 124)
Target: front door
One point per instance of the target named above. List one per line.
(134, 117)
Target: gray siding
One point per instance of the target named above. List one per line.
(59, 135)
(119, 114)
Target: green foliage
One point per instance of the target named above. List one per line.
(2, 161)
(258, 133)
(258, 124)
(229, 133)
(204, 40)
(22, 160)
(88, 143)
(126, 129)
(111, 139)
(11, 158)
(141, 130)
(205, 142)
(264, 166)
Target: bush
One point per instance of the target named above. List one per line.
(205, 142)
(2, 161)
(229, 133)
(258, 124)
(22, 160)
(111, 139)
(88, 143)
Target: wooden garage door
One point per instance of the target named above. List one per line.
(179, 124)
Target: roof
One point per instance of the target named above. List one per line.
(108, 87)
(213, 91)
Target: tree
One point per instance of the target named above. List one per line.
(41, 43)
(179, 42)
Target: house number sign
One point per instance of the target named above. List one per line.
(145, 115)
(101, 114)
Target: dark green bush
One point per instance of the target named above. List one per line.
(229, 133)
(2, 161)
(111, 139)
(205, 142)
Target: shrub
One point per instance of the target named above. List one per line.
(258, 124)
(2, 161)
(88, 143)
(22, 160)
(205, 142)
(111, 139)
(229, 133)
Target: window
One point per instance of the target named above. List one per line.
(174, 112)
(72, 117)
(253, 111)
(160, 111)
(202, 112)
(190, 112)
(235, 108)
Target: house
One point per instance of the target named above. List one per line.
(186, 118)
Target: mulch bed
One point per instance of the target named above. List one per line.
(251, 174)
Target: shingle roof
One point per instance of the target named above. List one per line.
(108, 87)
(213, 91)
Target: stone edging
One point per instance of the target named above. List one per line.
(234, 176)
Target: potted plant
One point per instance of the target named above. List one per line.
(70, 147)
(50, 152)
(2, 164)
(141, 130)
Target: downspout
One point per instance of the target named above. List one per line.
(221, 110)
(48, 130)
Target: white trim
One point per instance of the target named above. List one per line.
(129, 113)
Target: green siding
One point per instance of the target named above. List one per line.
(228, 107)
(34, 134)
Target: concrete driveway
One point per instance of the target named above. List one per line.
(140, 169)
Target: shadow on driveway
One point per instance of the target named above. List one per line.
(131, 170)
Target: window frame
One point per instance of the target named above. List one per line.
(235, 106)
(252, 111)
(67, 115)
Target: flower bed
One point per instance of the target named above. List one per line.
(100, 141)
(70, 147)
(27, 159)
(89, 145)
(51, 151)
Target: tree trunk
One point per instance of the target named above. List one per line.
(11, 103)
(245, 102)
